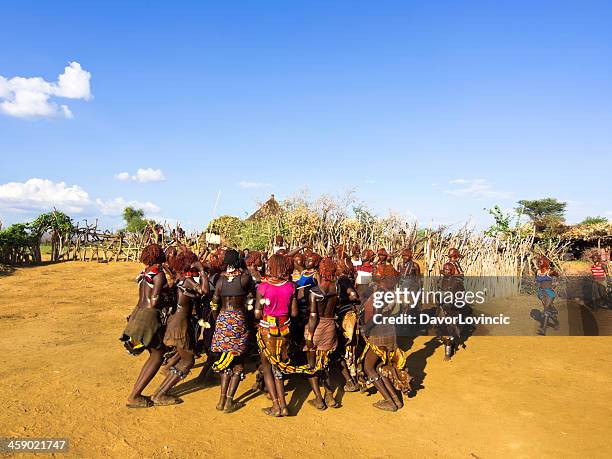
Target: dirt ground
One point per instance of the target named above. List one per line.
(65, 374)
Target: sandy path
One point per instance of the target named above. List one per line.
(65, 374)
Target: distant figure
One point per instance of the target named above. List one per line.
(452, 282)
(363, 277)
(599, 273)
(454, 256)
(546, 293)
(279, 244)
(410, 273)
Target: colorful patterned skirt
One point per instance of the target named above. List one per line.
(231, 333)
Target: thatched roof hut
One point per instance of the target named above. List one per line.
(589, 232)
(584, 237)
(269, 209)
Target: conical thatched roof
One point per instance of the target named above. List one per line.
(269, 209)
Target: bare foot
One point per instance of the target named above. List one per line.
(398, 403)
(221, 404)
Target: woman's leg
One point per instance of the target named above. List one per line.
(176, 374)
(313, 380)
(236, 376)
(225, 380)
(268, 376)
(548, 311)
(210, 359)
(392, 392)
(148, 371)
(318, 402)
(171, 362)
(349, 382)
(280, 395)
(330, 401)
(370, 361)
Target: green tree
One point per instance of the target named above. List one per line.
(59, 225)
(18, 243)
(598, 220)
(502, 222)
(543, 209)
(134, 220)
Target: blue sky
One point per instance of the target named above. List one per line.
(431, 109)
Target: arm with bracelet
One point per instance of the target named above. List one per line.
(313, 318)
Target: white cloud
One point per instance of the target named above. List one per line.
(476, 188)
(115, 206)
(74, 83)
(142, 176)
(37, 194)
(42, 194)
(30, 97)
(149, 175)
(123, 176)
(245, 184)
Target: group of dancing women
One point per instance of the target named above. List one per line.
(294, 312)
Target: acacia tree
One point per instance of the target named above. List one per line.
(546, 213)
(539, 209)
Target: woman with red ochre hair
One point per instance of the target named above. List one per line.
(304, 281)
(454, 256)
(546, 293)
(364, 275)
(449, 334)
(382, 352)
(255, 265)
(320, 333)
(190, 285)
(346, 319)
(145, 329)
(230, 339)
(383, 257)
(275, 303)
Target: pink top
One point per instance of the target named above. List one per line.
(278, 298)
